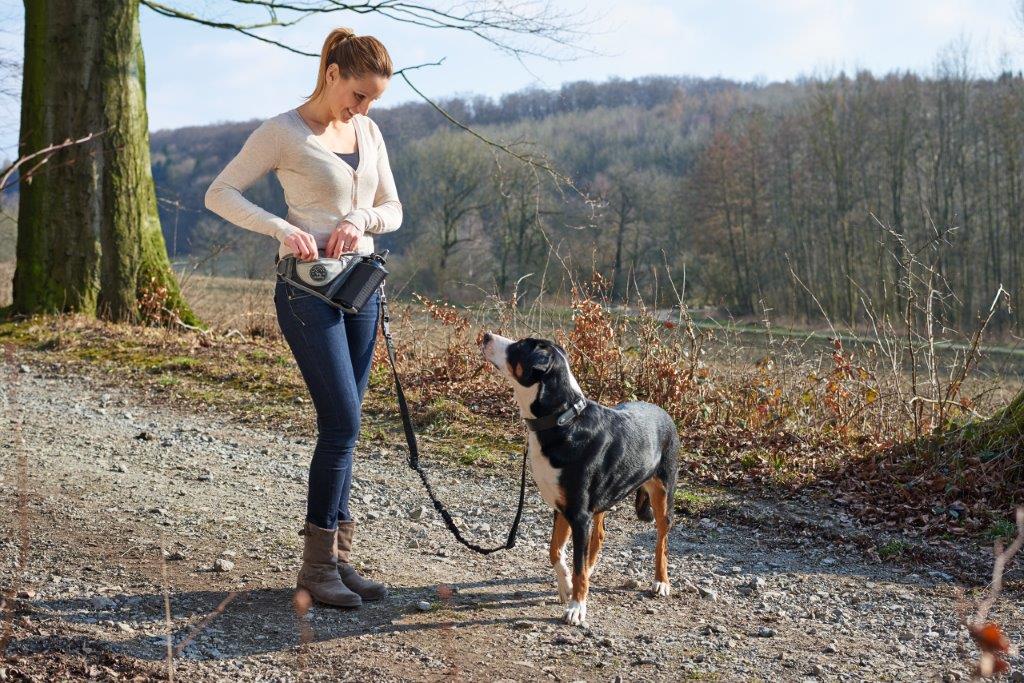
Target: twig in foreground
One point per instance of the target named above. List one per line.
(988, 635)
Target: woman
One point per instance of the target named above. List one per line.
(333, 166)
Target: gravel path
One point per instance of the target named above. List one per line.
(114, 476)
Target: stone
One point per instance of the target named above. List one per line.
(423, 606)
(101, 602)
(223, 565)
(708, 593)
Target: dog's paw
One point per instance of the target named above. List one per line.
(661, 589)
(575, 613)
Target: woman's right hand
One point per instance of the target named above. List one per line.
(302, 245)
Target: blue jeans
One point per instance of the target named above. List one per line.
(334, 351)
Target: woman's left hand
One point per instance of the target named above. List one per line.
(343, 239)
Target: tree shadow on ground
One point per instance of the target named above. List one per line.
(259, 621)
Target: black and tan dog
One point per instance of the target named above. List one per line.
(585, 458)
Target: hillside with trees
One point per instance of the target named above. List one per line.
(743, 185)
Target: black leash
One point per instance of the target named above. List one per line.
(414, 453)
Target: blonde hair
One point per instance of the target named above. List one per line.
(356, 56)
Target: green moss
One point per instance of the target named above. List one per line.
(477, 455)
(694, 502)
(176, 363)
(894, 548)
(168, 380)
(1002, 529)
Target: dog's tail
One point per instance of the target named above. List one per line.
(643, 506)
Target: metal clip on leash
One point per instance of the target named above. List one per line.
(414, 453)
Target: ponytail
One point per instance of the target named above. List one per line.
(356, 56)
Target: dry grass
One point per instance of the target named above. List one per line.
(754, 410)
(233, 304)
(223, 303)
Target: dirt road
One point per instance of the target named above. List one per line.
(113, 501)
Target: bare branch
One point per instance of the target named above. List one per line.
(495, 22)
(542, 165)
(46, 153)
(989, 636)
(246, 30)
(1002, 557)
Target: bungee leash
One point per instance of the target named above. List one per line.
(414, 453)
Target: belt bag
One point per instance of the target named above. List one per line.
(346, 283)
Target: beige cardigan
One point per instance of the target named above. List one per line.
(320, 189)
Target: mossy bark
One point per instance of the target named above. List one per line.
(89, 236)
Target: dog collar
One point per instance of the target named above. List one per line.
(561, 417)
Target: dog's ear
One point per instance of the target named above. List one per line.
(529, 359)
(540, 359)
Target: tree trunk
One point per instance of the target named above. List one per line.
(89, 235)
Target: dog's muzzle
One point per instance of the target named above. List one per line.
(492, 344)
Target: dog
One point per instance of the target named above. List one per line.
(586, 458)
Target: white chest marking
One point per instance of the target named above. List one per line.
(544, 474)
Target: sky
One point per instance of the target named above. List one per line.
(200, 75)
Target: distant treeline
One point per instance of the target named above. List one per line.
(739, 186)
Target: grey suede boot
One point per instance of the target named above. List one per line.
(367, 590)
(319, 572)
